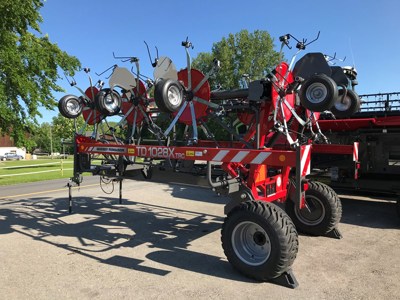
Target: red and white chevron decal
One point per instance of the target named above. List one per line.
(248, 157)
(305, 163)
(224, 155)
(355, 151)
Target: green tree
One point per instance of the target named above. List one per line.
(30, 145)
(41, 137)
(240, 53)
(63, 129)
(29, 64)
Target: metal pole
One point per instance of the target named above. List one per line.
(298, 193)
(258, 129)
(120, 191)
(69, 198)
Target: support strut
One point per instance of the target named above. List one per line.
(120, 191)
(69, 197)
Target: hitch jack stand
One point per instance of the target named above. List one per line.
(69, 197)
(120, 191)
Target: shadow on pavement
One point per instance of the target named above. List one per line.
(100, 226)
(369, 213)
(188, 192)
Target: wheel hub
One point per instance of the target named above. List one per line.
(313, 213)
(74, 107)
(174, 95)
(259, 238)
(316, 93)
(200, 109)
(251, 243)
(111, 103)
(344, 104)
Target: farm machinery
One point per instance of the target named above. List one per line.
(261, 169)
(376, 127)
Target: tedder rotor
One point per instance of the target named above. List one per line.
(263, 169)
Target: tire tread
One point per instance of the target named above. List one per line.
(331, 200)
(281, 224)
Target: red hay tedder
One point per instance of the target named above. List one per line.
(264, 165)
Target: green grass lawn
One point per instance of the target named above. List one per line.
(13, 172)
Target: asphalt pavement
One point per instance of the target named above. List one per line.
(163, 242)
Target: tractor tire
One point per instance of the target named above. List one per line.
(344, 108)
(259, 240)
(318, 93)
(323, 211)
(108, 102)
(70, 106)
(168, 95)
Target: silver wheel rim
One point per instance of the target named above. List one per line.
(73, 107)
(316, 92)
(251, 243)
(174, 96)
(343, 104)
(313, 213)
(111, 103)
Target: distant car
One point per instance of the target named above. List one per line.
(2, 157)
(12, 156)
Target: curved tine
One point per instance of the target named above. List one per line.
(70, 82)
(313, 39)
(153, 64)
(112, 67)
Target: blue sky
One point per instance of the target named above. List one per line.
(366, 32)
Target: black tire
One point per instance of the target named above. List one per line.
(108, 102)
(347, 106)
(70, 106)
(259, 240)
(398, 206)
(318, 93)
(323, 212)
(168, 95)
